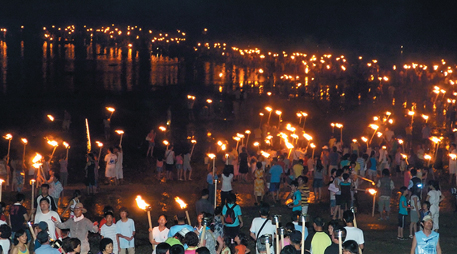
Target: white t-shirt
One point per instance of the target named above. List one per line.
(268, 229)
(126, 229)
(170, 157)
(6, 244)
(120, 160)
(434, 197)
(47, 218)
(356, 234)
(159, 236)
(110, 160)
(110, 232)
(227, 182)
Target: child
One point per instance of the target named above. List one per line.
(345, 187)
(304, 189)
(159, 167)
(226, 246)
(125, 232)
(295, 194)
(333, 190)
(72, 204)
(259, 183)
(241, 243)
(425, 210)
(108, 230)
(179, 168)
(402, 212)
(186, 166)
(56, 188)
(336, 183)
(415, 214)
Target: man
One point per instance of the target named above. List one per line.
(296, 217)
(385, 186)
(320, 240)
(415, 184)
(110, 169)
(45, 248)
(232, 217)
(48, 216)
(44, 194)
(334, 248)
(203, 205)
(119, 164)
(18, 214)
(295, 240)
(181, 218)
(353, 233)
(333, 158)
(275, 180)
(298, 169)
(79, 227)
(426, 240)
(262, 225)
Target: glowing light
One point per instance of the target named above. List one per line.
(165, 142)
(372, 191)
(435, 139)
(268, 109)
(374, 126)
(256, 144)
(307, 136)
(312, 145)
(265, 154)
(8, 136)
(37, 160)
(120, 132)
(99, 144)
(53, 143)
(162, 128)
(354, 140)
(141, 203)
(24, 141)
(66, 145)
(211, 156)
(110, 109)
(209, 101)
(364, 139)
(181, 203)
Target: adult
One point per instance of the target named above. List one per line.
(79, 227)
(333, 158)
(106, 246)
(110, 169)
(226, 188)
(435, 197)
(119, 164)
(318, 181)
(48, 216)
(243, 163)
(151, 142)
(20, 243)
(262, 225)
(452, 164)
(5, 234)
(371, 166)
(18, 214)
(159, 234)
(169, 162)
(203, 204)
(298, 169)
(232, 217)
(353, 233)
(63, 170)
(276, 172)
(45, 248)
(320, 240)
(415, 183)
(426, 240)
(181, 218)
(44, 194)
(90, 174)
(334, 247)
(385, 186)
(259, 183)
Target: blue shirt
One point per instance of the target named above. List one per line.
(426, 245)
(46, 249)
(236, 210)
(403, 210)
(298, 228)
(373, 163)
(176, 228)
(276, 172)
(297, 199)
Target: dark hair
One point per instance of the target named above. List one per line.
(243, 238)
(45, 185)
(166, 218)
(295, 215)
(107, 208)
(108, 213)
(202, 250)
(5, 231)
(227, 171)
(351, 246)
(73, 243)
(259, 165)
(177, 249)
(289, 249)
(427, 203)
(104, 242)
(403, 188)
(289, 228)
(162, 248)
(218, 210)
(348, 216)
(304, 179)
(345, 176)
(294, 183)
(44, 199)
(337, 229)
(264, 209)
(20, 197)
(339, 172)
(18, 234)
(231, 199)
(205, 192)
(333, 223)
(385, 172)
(300, 161)
(413, 172)
(319, 221)
(78, 193)
(124, 209)
(191, 239)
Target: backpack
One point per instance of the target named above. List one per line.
(230, 217)
(417, 186)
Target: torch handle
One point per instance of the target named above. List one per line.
(303, 235)
(31, 231)
(374, 202)
(215, 193)
(188, 218)
(203, 235)
(149, 219)
(340, 244)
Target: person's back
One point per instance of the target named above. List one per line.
(276, 172)
(320, 242)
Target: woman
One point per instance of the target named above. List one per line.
(72, 246)
(106, 246)
(20, 243)
(160, 233)
(199, 227)
(434, 197)
(259, 183)
(243, 162)
(90, 174)
(318, 178)
(226, 189)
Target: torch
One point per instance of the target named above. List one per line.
(67, 146)
(282, 236)
(425, 118)
(241, 136)
(299, 115)
(162, 128)
(120, 132)
(37, 164)
(144, 206)
(437, 141)
(269, 109)
(411, 113)
(340, 126)
(1, 188)
(8, 137)
(89, 144)
(304, 121)
(24, 141)
(100, 146)
(183, 206)
(340, 243)
(32, 182)
(31, 230)
(278, 112)
(373, 192)
(261, 116)
(50, 117)
(212, 156)
(404, 156)
(193, 141)
(237, 142)
(428, 158)
(375, 128)
(257, 144)
(303, 222)
(248, 132)
(333, 127)
(54, 144)
(276, 219)
(312, 146)
(165, 142)
(267, 243)
(111, 110)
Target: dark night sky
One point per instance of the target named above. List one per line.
(368, 26)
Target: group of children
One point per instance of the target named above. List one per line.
(170, 161)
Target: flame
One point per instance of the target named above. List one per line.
(141, 203)
(278, 112)
(165, 142)
(193, 141)
(372, 191)
(453, 156)
(425, 117)
(53, 143)
(120, 132)
(181, 203)
(209, 101)
(411, 113)
(364, 139)
(24, 140)
(51, 118)
(237, 138)
(289, 145)
(338, 125)
(400, 141)
(388, 113)
(289, 201)
(219, 143)
(37, 160)
(435, 139)
(211, 156)
(312, 145)
(261, 114)
(268, 109)
(8, 136)
(247, 132)
(379, 134)
(100, 144)
(374, 126)
(427, 157)
(404, 156)
(110, 109)
(307, 136)
(265, 154)
(66, 145)
(162, 128)
(256, 144)
(223, 147)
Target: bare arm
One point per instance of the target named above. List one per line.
(438, 247)
(253, 236)
(413, 246)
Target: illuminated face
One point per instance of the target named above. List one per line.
(428, 225)
(23, 238)
(330, 229)
(200, 218)
(162, 221)
(109, 219)
(44, 206)
(123, 215)
(109, 248)
(78, 212)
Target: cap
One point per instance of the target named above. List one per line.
(43, 225)
(427, 218)
(184, 231)
(80, 206)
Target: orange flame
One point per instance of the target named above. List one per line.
(181, 203)
(37, 160)
(141, 203)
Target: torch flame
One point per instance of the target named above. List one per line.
(193, 141)
(211, 155)
(256, 143)
(165, 142)
(372, 191)
(110, 109)
(307, 136)
(374, 126)
(364, 139)
(100, 144)
(181, 203)
(247, 132)
(37, 160)
(312, 145)
(427, 157)
(8, 136)
(120, 132)
(141, 203)
(53, 143)
(265, 154)
(268, 109)
(162, 128)
(51, 118)
(453, 156)
(24, 140)
(66, 145)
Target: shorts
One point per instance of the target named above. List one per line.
(338, 199)
(231, 232)
(318, 183)
(345, 201)
(401, 220)
(152, 144)
(187, 167)
(159, 169)
(414, 218)
(178, 166)
(119, 173)
(304, 209)
(274, 187)
(125, 250)
(384, 204)
(372, 173)
(169, 167)
(332, 202)
(110, 172)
